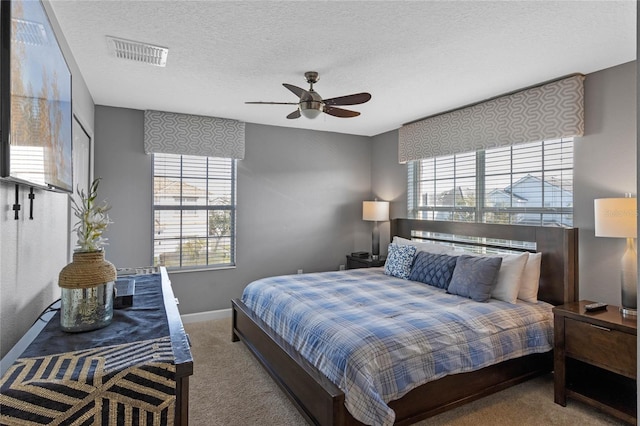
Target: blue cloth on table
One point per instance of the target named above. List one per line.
(146, 319)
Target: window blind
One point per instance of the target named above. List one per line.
(550, 111)
(194, 202)
(526, 184)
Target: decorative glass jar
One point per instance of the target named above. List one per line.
(87, 292)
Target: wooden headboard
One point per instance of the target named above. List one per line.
(559, 248)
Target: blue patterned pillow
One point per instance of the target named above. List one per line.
(399, 260)
(433, 269)
(475, 277)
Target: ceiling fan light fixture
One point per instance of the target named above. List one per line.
(310, 109)
(310, 113)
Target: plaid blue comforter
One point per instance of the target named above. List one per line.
(377, 337)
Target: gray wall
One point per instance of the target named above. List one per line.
(388, 180)
(604, 166)
(300, 199)
(32, 252)
(126, 184)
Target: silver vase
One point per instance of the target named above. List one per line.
(87, 292)
(85, 309)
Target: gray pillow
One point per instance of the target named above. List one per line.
(475, 277)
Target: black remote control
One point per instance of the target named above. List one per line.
(598, 306)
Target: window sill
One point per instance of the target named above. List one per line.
(199, 269)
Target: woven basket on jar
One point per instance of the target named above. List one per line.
(88, 269)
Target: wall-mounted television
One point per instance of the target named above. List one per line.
(35, 105)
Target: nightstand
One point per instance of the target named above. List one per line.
(595, 359)
(364, 262)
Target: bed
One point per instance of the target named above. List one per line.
(321, 401)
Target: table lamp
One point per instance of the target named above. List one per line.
(375, 211)
(617, 217)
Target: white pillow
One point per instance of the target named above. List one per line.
(530, 279)
(420, 246)
(510, 277)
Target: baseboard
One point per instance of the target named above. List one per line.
(206, 316)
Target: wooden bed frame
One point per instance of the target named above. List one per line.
(322, 403)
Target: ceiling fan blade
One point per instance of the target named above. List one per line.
(273, 103)
(358, 98)
(294, 114)
(340, 112)
(299, 92)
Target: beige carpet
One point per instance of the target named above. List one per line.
(230, 388)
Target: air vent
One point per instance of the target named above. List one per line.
(139, 52)
(31, 33)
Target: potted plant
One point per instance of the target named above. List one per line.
(87, 282)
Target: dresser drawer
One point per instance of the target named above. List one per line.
(610, 349)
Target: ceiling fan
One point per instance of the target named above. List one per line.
(311, 103)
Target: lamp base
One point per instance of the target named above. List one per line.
(629, 312)
(375, 241)
(629, 280)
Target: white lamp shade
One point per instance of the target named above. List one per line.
(310, 113)
(375, 210)
(616, 217)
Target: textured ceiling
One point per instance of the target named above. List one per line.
(415, 58)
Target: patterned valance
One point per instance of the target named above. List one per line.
(549, 111)
(183, 134)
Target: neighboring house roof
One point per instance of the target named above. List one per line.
(511, 191)
(171, 188)
(506, 194)
(451, 192)
(563, 185)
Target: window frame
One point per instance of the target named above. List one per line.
(480, 210)
(189, 208)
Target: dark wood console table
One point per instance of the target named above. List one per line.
(136, 370)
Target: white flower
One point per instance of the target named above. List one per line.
(93, 219)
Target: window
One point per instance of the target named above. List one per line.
(194, 211)
(525, 184)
